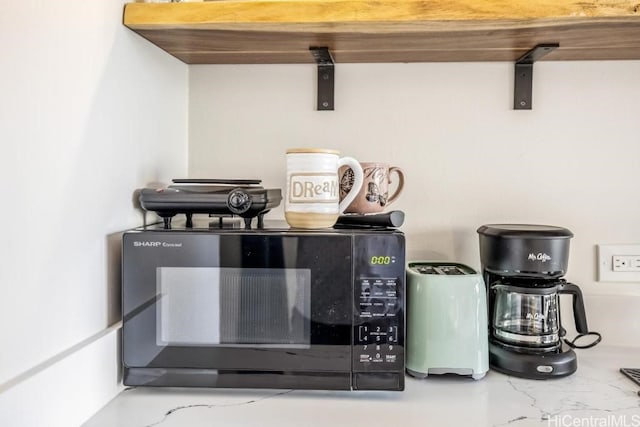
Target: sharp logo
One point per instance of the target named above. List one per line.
(139, 244)
(147, 244)
(539, 257)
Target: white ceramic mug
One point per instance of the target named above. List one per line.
(312, 196)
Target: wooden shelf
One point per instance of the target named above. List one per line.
(281, 31)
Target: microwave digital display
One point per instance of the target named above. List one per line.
(382, 260)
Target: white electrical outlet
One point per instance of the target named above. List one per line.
(626, 263)
(619, 263)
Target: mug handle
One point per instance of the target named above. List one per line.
(396, 193)
(358, 180)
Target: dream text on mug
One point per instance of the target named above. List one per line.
(313, 188)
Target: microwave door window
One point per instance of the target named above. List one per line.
(188, 311)
(240, 307)
(265, 307)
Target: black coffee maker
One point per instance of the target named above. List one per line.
(523, 266)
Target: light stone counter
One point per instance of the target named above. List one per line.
(597, 395)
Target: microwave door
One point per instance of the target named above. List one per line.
(237, 303)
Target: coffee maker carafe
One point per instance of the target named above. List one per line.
(523, 266)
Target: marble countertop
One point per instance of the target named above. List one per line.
(596, 395)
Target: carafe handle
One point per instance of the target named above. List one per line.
(578, 305)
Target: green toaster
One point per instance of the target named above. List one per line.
(446, 320)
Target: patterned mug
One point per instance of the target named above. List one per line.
(374, 196)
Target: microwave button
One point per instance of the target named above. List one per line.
(365, 287)
(378, 308)
(363, 333)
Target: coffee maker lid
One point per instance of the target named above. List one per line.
(525, 231)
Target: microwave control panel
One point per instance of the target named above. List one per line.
(379, 319)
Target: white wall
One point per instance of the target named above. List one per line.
(89, 112)
(469, 158)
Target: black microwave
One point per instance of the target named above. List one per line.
(266, 308)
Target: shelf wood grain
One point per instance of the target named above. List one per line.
(281, 31)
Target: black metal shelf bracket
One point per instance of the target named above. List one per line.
(326, 77)
(522, 93)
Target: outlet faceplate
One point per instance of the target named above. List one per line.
(619, 263)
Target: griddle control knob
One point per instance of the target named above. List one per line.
(238, 201)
